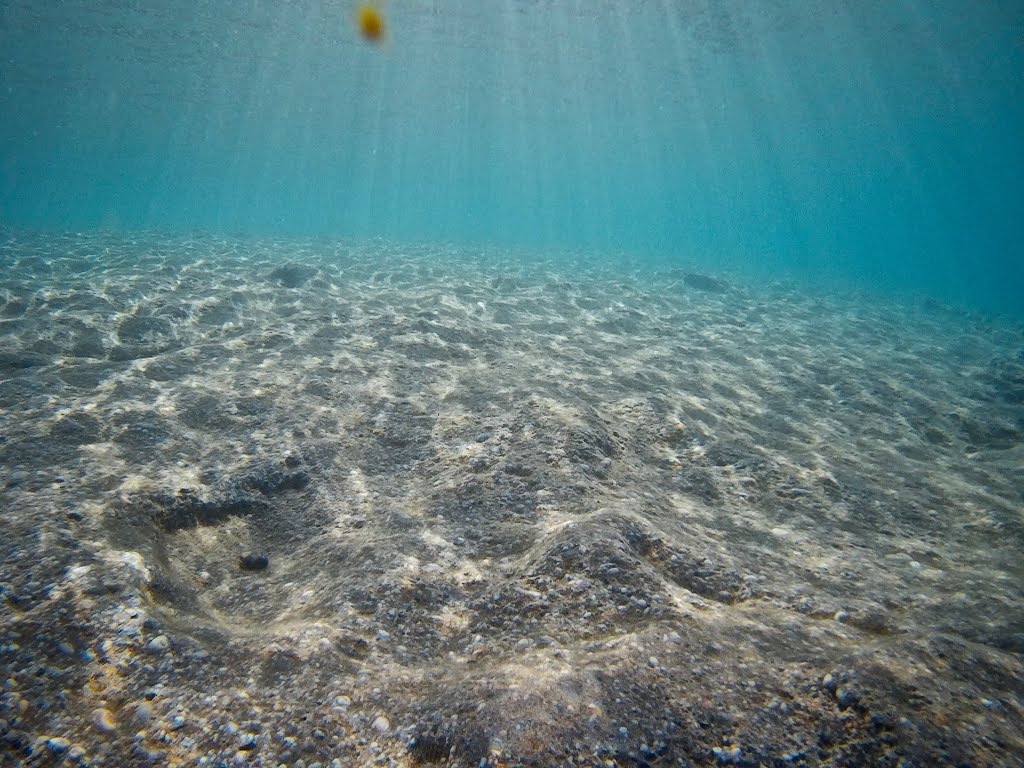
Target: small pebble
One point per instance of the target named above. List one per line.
(381, 724)
(727, 755)
(76, 755)
(847, 697)
(246, 742)
(158, 643)
(143, 713)
(58, 745)
(103, 721)
(841, 616)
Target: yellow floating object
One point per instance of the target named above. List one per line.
(371, 23)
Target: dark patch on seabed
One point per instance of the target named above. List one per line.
(314, 504)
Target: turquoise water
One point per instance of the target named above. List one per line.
(862, 144)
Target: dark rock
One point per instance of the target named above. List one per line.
(253, 562)
(847, 696)
(270, 480)
(519, 470)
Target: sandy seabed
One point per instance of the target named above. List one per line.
(313, 504)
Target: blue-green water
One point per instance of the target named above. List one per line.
(867, 144)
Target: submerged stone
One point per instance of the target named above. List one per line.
(253, 562)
